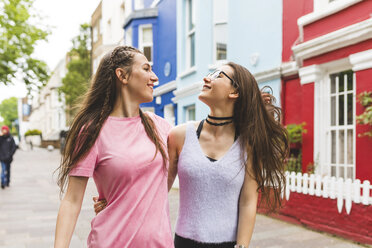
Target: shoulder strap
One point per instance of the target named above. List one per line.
(200, 127)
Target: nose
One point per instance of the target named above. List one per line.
(154, 78)
(207, 79)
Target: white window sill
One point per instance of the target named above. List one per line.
(188, 72)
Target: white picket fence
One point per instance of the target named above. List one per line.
(345, 191)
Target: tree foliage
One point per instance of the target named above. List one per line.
(18, 37)
(76, 81)
(365, 99)
(9, 111)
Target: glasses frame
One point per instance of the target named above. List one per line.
(218, 72)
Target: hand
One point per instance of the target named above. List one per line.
(266, 97)
(99, 205)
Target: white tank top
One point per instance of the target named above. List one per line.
(209, 192)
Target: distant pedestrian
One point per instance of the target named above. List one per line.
(7, 150)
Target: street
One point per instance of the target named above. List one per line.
(29, 207)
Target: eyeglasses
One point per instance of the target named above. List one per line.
(213, 75)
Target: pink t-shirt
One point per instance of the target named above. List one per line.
(134, 185)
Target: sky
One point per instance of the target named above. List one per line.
(65, 18)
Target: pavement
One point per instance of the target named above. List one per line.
(29, 207)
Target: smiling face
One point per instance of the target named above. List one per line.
(218, 90)
(141, 81)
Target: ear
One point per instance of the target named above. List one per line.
(121, 75)
(234, 95)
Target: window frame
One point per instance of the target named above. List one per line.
(216, 23)
(345, 127)
(325, 126)
(187, 112)
(190, 34)
(142, 44)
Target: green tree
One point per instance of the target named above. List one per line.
(76, 81)
(18, 37)
(9, 111)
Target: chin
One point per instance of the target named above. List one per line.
(148, 99)
(202, 97)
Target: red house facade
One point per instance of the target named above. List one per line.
(327, 62)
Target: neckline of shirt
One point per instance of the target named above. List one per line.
(116, 118)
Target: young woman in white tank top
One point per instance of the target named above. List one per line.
(221, 161)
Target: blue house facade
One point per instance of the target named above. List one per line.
(151, 27)
(213, 32)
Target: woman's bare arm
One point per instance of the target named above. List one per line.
(176, 138)
(69, 211)
(247, 208)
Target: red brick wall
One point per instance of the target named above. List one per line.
(346, 17)
(308, 117)
(321, 214)
(292, 101)
(292, 10)
(339, 53)
(363, 144)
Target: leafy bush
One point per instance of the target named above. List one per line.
(295, 132)
(33, 132)
(365, 98)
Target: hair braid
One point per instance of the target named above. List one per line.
(153, 134)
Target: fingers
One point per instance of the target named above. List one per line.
(99, 206)
(267, 97)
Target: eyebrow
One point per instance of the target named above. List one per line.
(148, 64)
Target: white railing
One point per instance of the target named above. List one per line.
(345, 191)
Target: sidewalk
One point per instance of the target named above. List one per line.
(29, 207)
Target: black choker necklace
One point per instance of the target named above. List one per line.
(217, 124)
(220, 118)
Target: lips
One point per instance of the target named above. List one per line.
(206, 87)
(151, 86)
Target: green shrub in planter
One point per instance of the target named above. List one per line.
(33, 132)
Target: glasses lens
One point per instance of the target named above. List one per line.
(215, 74)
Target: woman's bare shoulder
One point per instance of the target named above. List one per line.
(177, 133)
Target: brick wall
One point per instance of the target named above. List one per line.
(321, 214)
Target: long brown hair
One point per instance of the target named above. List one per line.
(97, 105)
(261, 135)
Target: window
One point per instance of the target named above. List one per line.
(138, 4)
(190, 113)
(145, 41)
(341, 125)
(95, 34)
(220, 15)
(169, 114)
(100, 26)
(190, 33)
(128, 37)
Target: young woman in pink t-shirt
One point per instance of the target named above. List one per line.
(125, 152)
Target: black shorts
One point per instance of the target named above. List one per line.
(180, 242)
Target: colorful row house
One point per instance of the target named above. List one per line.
(213, 32)
(327, 63)
(151, 27)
